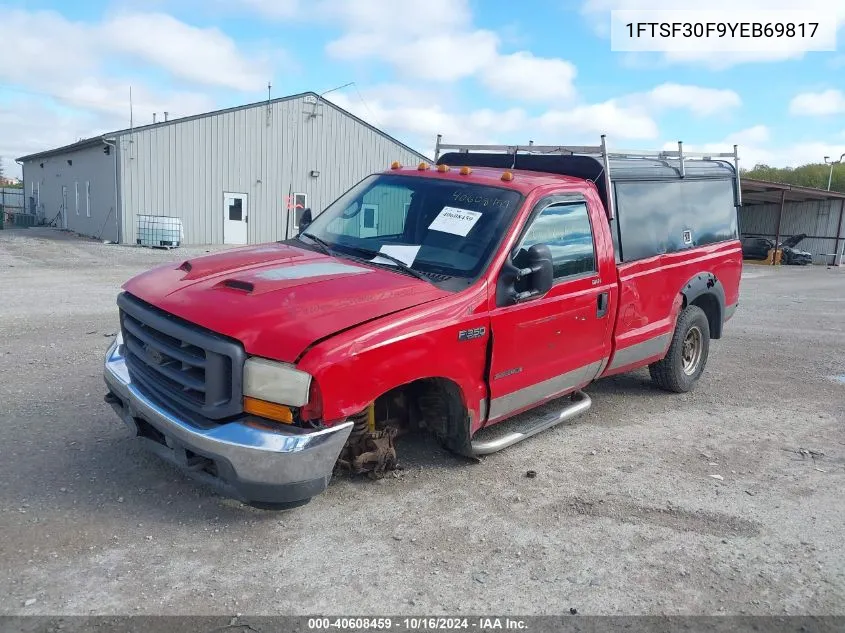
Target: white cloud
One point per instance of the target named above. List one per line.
(756, 147)
(597, 13)
(75, 76)
(526, 77)
(611, 118)
(52, 49)
(436, 42)
(205, 56)
(442, 57)
(433, 41)
(700, 101)
(418, 116)
(818, 103)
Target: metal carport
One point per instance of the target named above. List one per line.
(816, 212)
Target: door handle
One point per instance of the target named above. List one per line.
(602, 302)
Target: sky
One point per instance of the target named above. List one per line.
(476, 71)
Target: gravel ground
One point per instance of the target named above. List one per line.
(623, 517)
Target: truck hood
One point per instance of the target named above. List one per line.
(278, 299)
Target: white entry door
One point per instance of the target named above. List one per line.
(235, 218)
(369, 220)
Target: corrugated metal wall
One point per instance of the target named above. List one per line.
(819, 219)
(182, 169)
(89, 190)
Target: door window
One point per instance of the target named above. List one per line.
(300, 203)
(236, 210)
(566, 230)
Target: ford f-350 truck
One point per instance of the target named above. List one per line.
(451, 297)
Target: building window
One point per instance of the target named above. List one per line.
(76, 196)
(236, 210)
(87, 199)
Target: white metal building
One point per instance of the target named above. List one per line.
(236, 176)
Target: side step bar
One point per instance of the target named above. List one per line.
(580, 403)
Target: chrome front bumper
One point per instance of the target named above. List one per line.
(263, 466)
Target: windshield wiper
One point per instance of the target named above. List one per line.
(396, 261)
(323, 245)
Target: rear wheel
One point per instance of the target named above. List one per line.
(683, 364)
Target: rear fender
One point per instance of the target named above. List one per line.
(706, 291)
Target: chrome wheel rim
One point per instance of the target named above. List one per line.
(691, 352)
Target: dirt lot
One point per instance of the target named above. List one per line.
(624, 516)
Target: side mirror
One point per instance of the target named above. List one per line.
(305, 220)
(539, 273)
(541, 269)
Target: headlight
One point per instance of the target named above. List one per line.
(275, 382)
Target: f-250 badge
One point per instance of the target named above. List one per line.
(468, 335)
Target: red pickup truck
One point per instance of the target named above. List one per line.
(450, 297)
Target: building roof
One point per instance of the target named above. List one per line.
(765, 192)
(97, 140)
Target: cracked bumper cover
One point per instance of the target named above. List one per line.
(278, 465)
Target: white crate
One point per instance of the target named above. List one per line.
(159, 231)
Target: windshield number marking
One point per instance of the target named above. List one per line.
(484, 201)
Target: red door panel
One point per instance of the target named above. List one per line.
(547, 347)
(553, 344)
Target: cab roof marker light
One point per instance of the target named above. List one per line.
(507, 176)
(465, 171)
(443, 168)
(423, 166)
(396, 165)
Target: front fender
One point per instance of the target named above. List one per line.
(355, 367)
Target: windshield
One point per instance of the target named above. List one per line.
(440, 227)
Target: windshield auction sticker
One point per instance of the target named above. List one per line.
(455, 221)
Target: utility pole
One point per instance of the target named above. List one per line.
(827, 161)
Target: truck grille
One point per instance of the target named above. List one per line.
(181, 364)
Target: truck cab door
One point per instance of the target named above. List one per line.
(549, 345)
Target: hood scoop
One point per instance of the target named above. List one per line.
(237, 284)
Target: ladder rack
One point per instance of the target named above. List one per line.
(600, 152)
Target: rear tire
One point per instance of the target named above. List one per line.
(683, 364)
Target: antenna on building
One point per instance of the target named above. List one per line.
(165, 115)
(130, 107)
(154, 117)
(269, 107)
(320, 96)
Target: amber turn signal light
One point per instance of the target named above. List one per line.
(270, 410)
